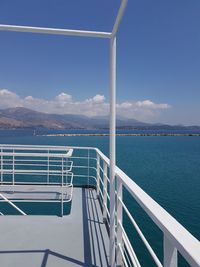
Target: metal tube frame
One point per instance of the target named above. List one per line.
(112, 37)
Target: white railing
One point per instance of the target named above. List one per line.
(36, 171)
(91, 168)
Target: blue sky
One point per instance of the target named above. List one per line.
(158, 61)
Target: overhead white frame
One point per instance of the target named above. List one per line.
(70, 32)
(112, 140)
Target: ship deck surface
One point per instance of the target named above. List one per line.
(78, 239)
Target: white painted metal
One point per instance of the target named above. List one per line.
(119, 17)
(62, 189)
(1, 165)
(170, 253)
(176, 236)
(98, 175)
(48, 168)
(129, 248)
(23, 162)
(105, 171)
(187, 245)
(67, 32)
(119, 220)
(88, 167)
(12, 204)
(112, 148)
(13, 170)
(146, 243)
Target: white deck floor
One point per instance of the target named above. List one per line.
(79, 239)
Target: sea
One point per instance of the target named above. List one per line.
(166, 167)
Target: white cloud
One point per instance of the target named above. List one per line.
(95, 106)
(151, 105)
(63, 97)
(9, 99)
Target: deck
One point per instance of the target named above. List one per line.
(78, 239)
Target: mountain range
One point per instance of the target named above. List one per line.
(22, 118)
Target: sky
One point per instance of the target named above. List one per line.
(158, 59)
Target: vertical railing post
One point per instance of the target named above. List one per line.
(88, 168)
(119, 219)
(48, 168)
(170, 253)
(1, 165)
(98, 174)
(13, 168)
(62, 191)
(112, 148)
(105, 182)
(67, 166)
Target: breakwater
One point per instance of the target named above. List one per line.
(125, 134)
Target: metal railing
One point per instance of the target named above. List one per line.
(91, 168)
(36, 171)
(175, 237)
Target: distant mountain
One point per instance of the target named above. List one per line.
(14, 118)
(26, 118)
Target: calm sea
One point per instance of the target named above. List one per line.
(167, 168)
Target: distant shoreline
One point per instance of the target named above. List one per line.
(125, 134)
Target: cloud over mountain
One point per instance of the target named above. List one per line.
(95, 106)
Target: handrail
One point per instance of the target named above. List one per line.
(186, 243)
(55, 31)
(12, 204)
(55, 155)
(173, 231)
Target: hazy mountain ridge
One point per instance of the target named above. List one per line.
(20, 118)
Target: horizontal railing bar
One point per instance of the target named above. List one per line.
(33, 171)
(146, 243)
(123, 257)
(10, 146)
(44, 155)
(55, 31)
(131, 251)
(38, 185)
(186, 244)
(10, 202)
(39, 200)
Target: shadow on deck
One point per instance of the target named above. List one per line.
(79, 239)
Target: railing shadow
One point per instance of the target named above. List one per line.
(95, 253)
(94, 238)
(47, 253)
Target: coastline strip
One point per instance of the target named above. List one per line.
(123, 134)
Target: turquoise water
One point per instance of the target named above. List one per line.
(167, 168)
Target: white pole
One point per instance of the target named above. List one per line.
(1, 165)
(98, 175)
(48, 168)
(13, 174)
(119, 17)
(170, 253)
(105, 186)
(55, 31)
(62, 191)
(119, 221)
(112, 147)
